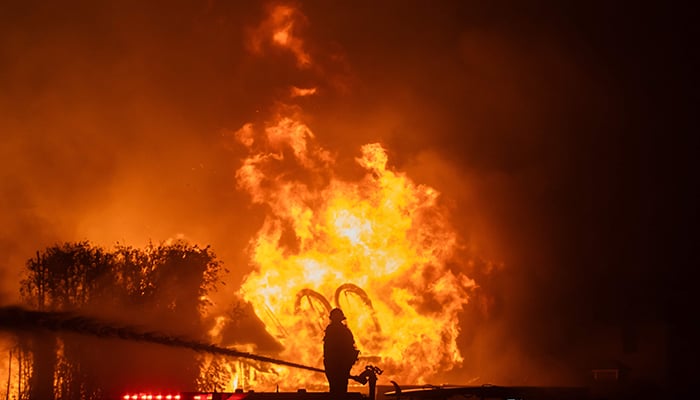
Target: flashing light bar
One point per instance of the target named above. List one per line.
(143, 396)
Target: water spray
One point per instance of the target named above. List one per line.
(18, 319)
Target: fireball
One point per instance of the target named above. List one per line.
(378, 248)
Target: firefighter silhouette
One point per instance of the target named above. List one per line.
(339, 352)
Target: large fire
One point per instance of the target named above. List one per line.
(378, 248)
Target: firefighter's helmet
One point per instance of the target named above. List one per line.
(337, 315)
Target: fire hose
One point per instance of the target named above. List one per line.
(14, 318)
(18, 319)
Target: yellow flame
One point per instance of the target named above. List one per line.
(13, 381)
(234, 384)
(377, 248)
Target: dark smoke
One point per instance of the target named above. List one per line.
(19, 320)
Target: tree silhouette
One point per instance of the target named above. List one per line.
(161, 287)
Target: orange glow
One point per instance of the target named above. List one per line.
(302, 92)
(280, 29)
(377, 247)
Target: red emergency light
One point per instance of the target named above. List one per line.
(150, 396)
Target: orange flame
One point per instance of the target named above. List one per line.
(279, 29)
(378, 248)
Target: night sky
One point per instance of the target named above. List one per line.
(559, 133)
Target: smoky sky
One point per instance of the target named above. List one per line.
(540, 123)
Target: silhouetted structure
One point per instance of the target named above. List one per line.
(339, 352)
